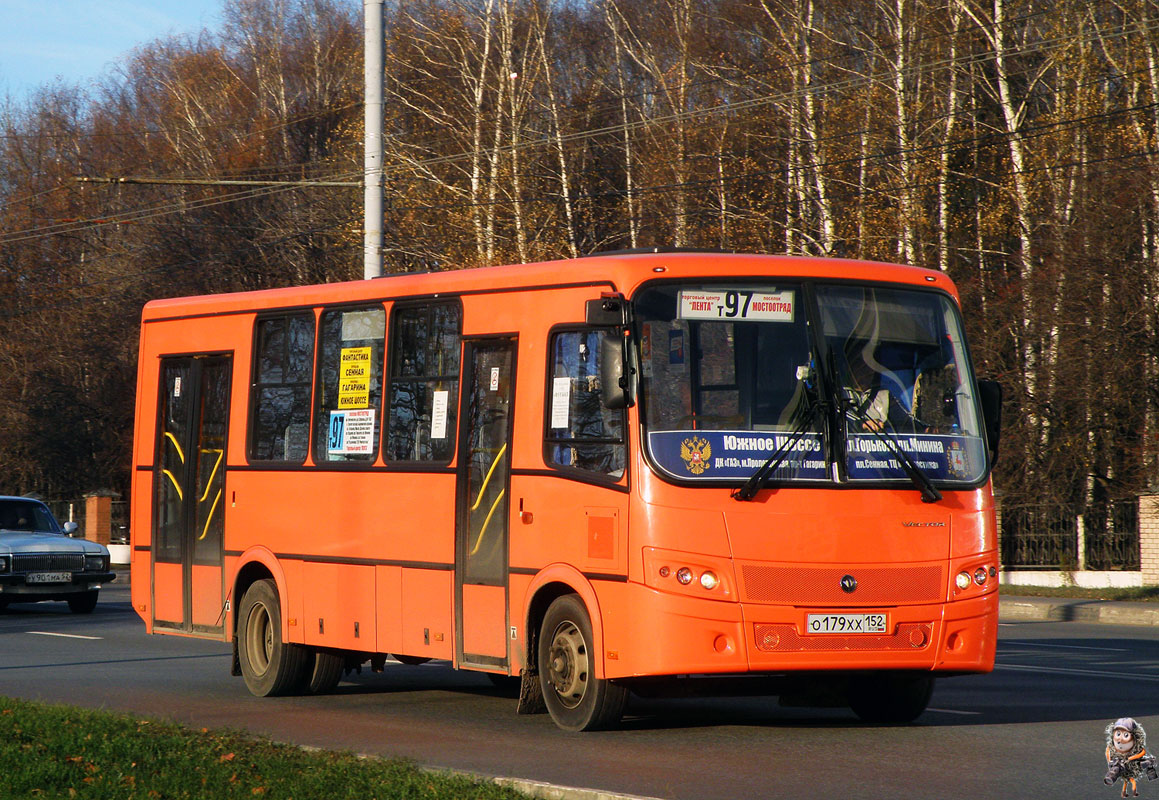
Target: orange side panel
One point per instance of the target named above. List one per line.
(208, 608)
(552, 528)
(371, 515)
(388, 593)
(427, 599)
(485, 621)
(339, 603)
(140, 576)
(167, 593)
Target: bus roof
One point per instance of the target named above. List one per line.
(621, 272)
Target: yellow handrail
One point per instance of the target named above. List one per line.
(176, 485)
(209, 483)
(209, 519)
(490, 472)
(487, 522)
(180, 452)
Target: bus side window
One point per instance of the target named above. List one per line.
(349, 392)
(280, 399)
(424, 382)
(581, 432)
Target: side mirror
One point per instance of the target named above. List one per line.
(990, 399)
(613, 385)
(605, 311)
(70, 528)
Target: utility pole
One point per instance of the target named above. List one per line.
(375, 35)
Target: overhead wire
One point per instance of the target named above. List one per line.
(756, 102)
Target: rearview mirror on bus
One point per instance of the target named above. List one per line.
(990, 395)
(605, 311)
(613, 386)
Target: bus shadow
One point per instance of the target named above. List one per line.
(1030, 685)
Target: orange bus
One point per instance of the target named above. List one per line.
(626, 472)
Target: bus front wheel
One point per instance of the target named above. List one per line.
(576, 699)
(890, 697)
(270, 666)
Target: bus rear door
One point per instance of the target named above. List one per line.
(188, 494)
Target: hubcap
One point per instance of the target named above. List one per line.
(567, 664)
(260, 638)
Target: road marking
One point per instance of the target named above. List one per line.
(1067, 646)
(1085, 672)
(955, 711)
(65, 635)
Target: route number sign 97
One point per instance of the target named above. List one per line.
(737, 305)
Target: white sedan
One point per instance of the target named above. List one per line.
(40, 561)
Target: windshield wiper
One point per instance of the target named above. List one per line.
(753, 485)
(930, 493)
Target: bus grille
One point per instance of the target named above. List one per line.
(785, 639)
(49, 562)
(814, 586)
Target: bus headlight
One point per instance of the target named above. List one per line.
(962, 581)
(691, 574)
(980, 576)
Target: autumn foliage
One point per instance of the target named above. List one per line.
(1009, 143)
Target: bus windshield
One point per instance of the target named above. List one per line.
(849, 383)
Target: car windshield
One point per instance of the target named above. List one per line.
(26, 515)
(734, 380)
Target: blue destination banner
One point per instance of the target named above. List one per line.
(736, 454)
(954, 458)
(729, 455)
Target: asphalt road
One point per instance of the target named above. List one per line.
(1034, 728)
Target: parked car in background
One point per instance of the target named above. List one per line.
(40, 561)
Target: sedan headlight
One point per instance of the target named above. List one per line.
(5, 563)
(96, 563)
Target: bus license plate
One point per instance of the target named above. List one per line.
(48, 577)
(846, 623)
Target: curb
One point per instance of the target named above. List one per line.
(1062, 609)
(549, 791)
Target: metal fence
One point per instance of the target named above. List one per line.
(1111, 535)
(1101, 537)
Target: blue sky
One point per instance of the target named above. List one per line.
(80, 40)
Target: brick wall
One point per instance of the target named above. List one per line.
(98, 518)
(1149, 538)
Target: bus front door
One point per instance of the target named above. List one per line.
(481, 533)
(188, 494)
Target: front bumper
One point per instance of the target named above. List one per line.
(16, 584)
(692, 636)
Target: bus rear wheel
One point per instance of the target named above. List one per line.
(326, 672)
(576, 699)
(270, 666)
(890, 697)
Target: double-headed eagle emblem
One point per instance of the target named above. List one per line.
(696, 452)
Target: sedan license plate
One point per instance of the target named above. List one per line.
(846, 623)
(48, 577)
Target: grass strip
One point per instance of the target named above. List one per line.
(49, 751)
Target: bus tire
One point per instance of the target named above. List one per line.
(270, 666)
(576, 699)
(327, 671)
(890, 697)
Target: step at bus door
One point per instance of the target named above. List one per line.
(482, 503)
(189, 494)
